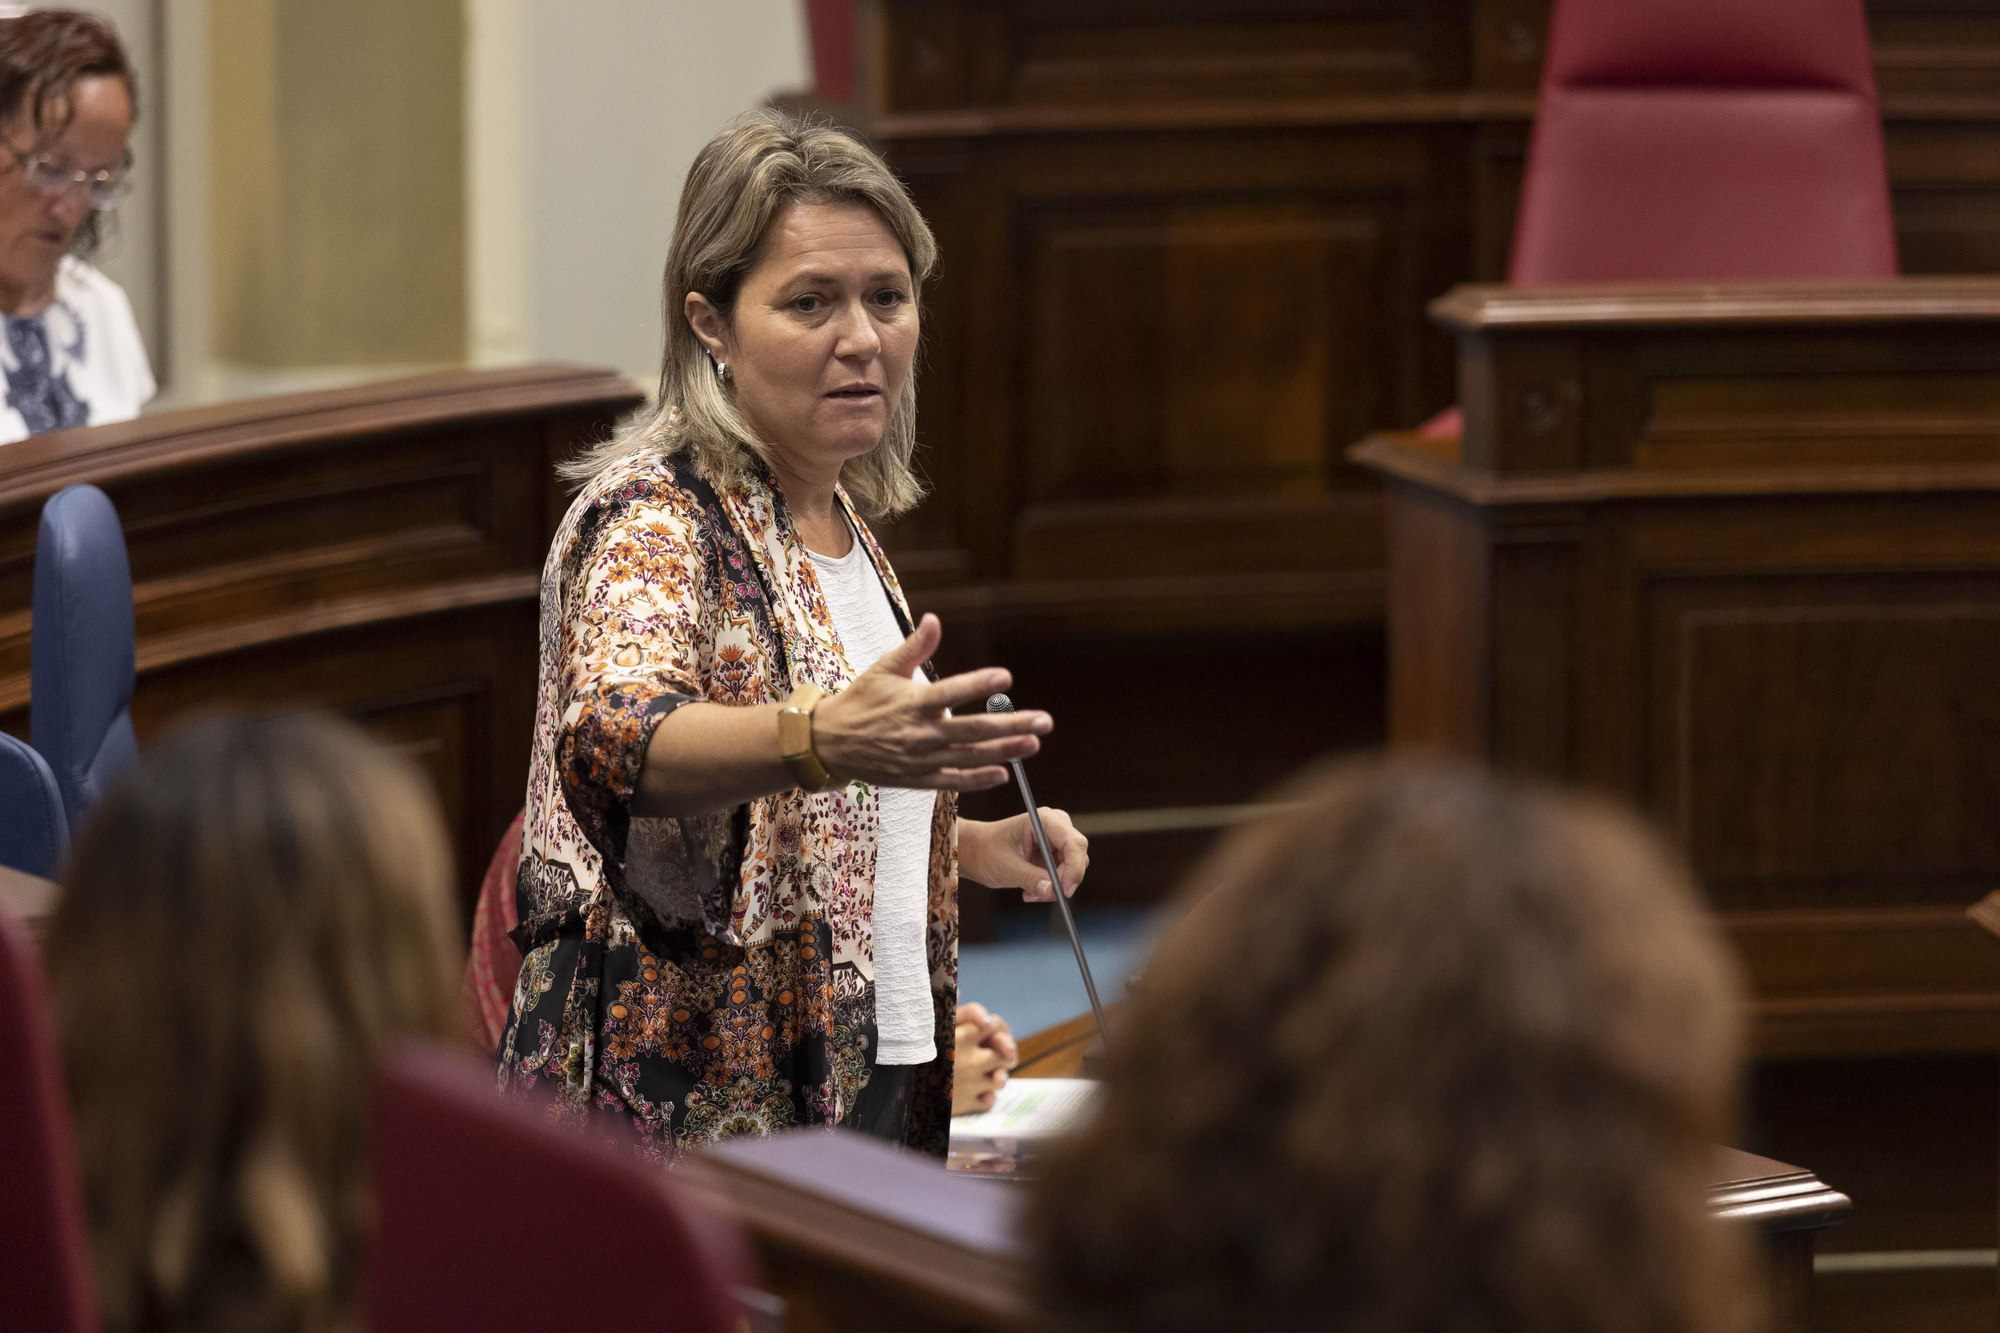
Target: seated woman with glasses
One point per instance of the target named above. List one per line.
(72, 354)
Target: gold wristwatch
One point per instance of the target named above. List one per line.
(795, 739)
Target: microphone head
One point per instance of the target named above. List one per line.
(999, 703)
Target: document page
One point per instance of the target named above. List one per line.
(1030, 1108)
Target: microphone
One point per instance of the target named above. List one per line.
(1000, 703)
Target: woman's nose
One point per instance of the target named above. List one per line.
(71, 208)
(858, 334)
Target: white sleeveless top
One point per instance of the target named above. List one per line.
(905, 1021)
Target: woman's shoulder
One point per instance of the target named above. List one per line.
(653, 489)
(81, 284)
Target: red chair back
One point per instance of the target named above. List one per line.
(1705, 141)
(45, 1277)
(493, 964)
(465, 1181)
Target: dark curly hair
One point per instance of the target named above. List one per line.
(44, 53)
(1431, 1053)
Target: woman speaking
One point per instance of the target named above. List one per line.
(739, 881)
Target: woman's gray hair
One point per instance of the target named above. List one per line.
(764, 162)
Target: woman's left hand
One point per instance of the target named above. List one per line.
(1002, 854)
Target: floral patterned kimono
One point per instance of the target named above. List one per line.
(709, 976)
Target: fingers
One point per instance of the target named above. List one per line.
(1001, 1041)
(979, 1062)
(979, 756)
(914, 651)
(1072, 849)
(972, 1012)
(1072, 853)
(967, 688)
(974, 726)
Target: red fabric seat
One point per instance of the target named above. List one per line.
(493, 963)
(463, 1181)
(45, 1266)
(1705, 141)
(1702, 141)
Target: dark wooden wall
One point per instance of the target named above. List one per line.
(1187, 246)
(375, 550)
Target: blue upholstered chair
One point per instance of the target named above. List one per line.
(80, 652)
(34, 833)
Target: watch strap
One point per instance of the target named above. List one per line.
(795, 739)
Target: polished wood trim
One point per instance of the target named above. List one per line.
(218, 640)
(1422, 108)
(1405, 456)
(1273, 600)
(1475, 307)
(1509, 109)
(797, 1225)
(1987, 912)
(1057, 1051)
(1775, 1196)
(41, 465)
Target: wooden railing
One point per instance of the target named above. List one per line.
(375, 550)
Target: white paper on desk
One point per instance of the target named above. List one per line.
(1029, 1109)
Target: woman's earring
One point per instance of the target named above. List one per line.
(722, 372)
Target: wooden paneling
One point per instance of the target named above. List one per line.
(1734, 556)
(373, 550)
(1186, 244)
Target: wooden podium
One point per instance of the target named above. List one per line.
(1733, 554)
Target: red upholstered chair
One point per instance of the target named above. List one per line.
(831, 23)
(1703, 141)
(45, 1277)
(463, 1181)
(493, 963)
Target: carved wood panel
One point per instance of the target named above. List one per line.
(1829, 740)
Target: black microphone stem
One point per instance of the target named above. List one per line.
(1062, 902)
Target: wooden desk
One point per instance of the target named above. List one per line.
(948, 1257)
(375, 550)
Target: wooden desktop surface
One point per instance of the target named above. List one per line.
(944, 1253)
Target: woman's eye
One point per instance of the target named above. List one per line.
(891, 297)
(806, 304)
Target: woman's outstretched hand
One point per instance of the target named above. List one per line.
(892, 731)
(1003, 855)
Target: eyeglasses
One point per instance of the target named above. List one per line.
(103, 188)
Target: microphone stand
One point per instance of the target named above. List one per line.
(1000, 703)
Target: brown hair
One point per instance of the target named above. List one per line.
(1429, 1052)
(44, 53)
(763, 163)
(251, 913)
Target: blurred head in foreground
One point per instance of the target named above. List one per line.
(250, 915)
(1428, 1052)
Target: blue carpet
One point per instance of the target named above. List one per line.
(1028, 976)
